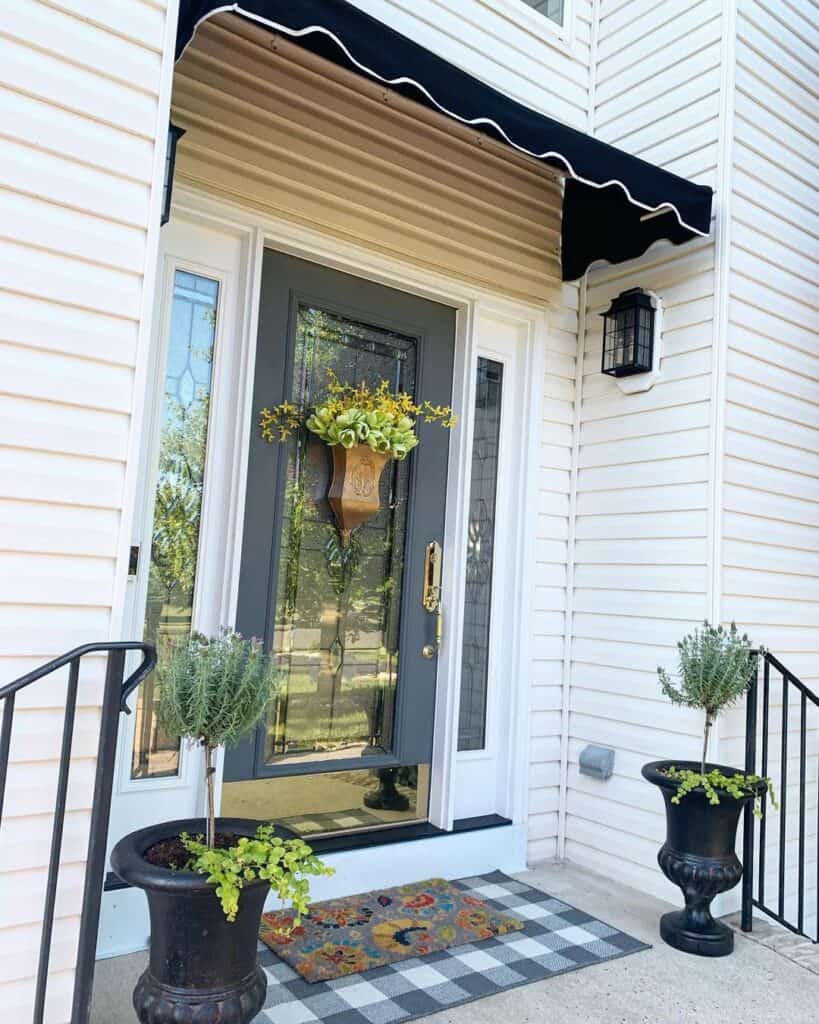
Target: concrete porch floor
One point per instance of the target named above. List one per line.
(660, 986)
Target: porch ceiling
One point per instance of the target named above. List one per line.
(614, 205)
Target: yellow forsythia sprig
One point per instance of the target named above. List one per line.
(377, 417)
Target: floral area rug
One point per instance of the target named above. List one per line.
(358, 933)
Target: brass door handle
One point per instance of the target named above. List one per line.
(431, 597)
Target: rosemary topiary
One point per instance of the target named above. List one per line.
(716, 667)
(715, 671)
(213, 690)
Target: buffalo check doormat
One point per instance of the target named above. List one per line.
(556, 938)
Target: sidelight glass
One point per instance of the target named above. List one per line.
(177, 502)
(480, 555)
(335, 628)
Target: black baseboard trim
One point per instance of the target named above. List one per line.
(374, 837)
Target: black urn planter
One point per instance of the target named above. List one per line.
(698, 855)
(202, 968)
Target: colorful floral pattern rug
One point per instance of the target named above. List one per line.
(358, 933)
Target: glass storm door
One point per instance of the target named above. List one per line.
(347, 741)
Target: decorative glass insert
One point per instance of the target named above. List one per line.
(552, 9)
(178, 502)
(336, 622)
(480, 556)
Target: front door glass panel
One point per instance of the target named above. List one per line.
(335, 628)
(330, 802)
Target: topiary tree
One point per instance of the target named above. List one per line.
(213, 690)
(715, 671)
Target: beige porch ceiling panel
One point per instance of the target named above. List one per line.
(273, 126)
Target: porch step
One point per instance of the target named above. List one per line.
(377, 837)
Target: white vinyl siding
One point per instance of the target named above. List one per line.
(80, 101)
(770, 521)
(643, 495)
(640, 563)
(485, 39)
(696, 499)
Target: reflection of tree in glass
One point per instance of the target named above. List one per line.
(174, 545)
(179, 499)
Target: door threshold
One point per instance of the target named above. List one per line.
(376, 837)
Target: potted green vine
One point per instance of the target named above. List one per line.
(206, 880)
(703, 801)
(365, 428)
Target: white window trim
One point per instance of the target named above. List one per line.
(530, 20)
(210, 607)
(144, 519)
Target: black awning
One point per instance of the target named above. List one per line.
(615, 205)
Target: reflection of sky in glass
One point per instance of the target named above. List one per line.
(193, 324)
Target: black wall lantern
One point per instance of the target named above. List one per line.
(628, 334)
(174, 135)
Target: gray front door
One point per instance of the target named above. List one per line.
(346, 626)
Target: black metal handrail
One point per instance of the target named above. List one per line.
(115, 694)
(753, 883)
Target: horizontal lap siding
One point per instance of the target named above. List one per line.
(514, 55)
(79, 102)
(320, 145)
(770, 525)
(771, 504)
(641, 548)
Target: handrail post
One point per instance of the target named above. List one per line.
(98, 838)
(747, 916)
(5, 748)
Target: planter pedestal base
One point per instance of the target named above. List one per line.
(698, 856)
(675, 930)
(156, 1003)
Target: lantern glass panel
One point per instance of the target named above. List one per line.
(628, 335)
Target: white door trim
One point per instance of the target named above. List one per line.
(495, 778)
(258, 229)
